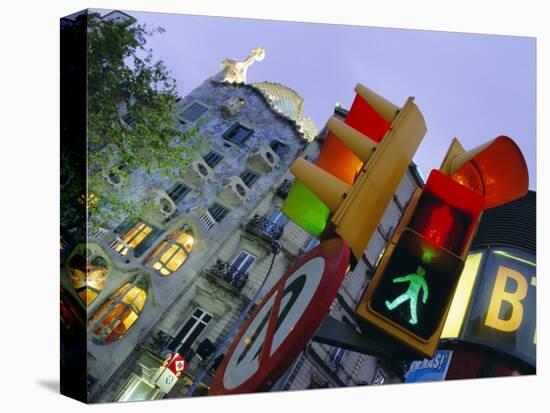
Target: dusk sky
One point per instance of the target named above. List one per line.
(474, 87)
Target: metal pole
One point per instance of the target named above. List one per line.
(275, 249)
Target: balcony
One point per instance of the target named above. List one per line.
(264, 159)
(264, 228)
(227, 276)
(284, 188)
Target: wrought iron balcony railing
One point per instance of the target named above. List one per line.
(264, 228)
(227, 276)
(284, 188)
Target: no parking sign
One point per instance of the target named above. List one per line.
(284, 321)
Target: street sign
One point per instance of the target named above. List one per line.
(267, 344)
(434, 369)
(168, 374)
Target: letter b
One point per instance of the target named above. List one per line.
(513, 298)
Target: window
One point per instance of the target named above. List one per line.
(88, 278)
(277, 217)
(243, 261)
(335, 357)
(119, 312)
(379, 377)
(190, 331)
(192, 112)
(317, 383)
(218, 212)
(279, 148)
(129, 120)
(172, 252)
(140, 389)
(313, 242)
(237, 134)
(249, 177)
(212, 159)
(139, 236)
(178, 192)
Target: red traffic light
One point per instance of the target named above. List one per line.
(447, 213)
(496, 170)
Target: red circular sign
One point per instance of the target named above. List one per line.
(266, 345)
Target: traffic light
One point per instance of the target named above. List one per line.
(368, 120)
(412, 289)
(496, 169)
(358, 169)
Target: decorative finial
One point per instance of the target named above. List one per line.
(235, 70)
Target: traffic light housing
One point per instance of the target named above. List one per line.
(495, 169)
(413, 286)
(410, 292)
(366, 124)
(358, 169)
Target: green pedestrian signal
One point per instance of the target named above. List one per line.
(417, 282)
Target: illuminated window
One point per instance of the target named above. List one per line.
(89, 201)
(88, 278)
(172, 252)
(138, 389)
(119, 312)
(134, 236)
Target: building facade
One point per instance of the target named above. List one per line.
(178, 278)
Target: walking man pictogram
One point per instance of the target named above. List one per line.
(416, 283)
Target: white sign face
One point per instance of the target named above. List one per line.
(297, 294)
(166, 380)
(180, 365)
(298, 291)
(246, 357)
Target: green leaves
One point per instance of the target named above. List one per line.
(131, 120)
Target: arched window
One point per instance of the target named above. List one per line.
(172, 252)
(88, 277)
(119, 312)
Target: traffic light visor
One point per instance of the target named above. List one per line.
(497, 170)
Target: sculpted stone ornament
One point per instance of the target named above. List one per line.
(235, 70)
